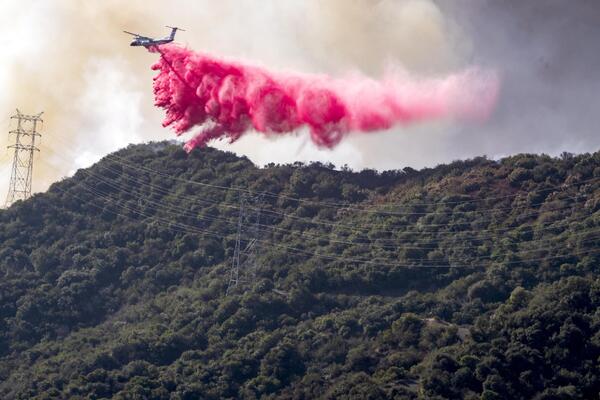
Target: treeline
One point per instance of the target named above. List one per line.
(472, 280)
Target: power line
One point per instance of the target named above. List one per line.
(346, 205)
(493, 210)
(191, 229)
(182, 212)
(335, 225)
(241, 238)
(182, 228)
(312, 221)
(317, 236)
(196, 199)
(339, 225)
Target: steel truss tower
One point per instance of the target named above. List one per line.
(245, 263)
(22, 168)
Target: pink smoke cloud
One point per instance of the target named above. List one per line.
(228, 98)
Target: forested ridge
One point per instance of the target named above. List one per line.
(472, 280)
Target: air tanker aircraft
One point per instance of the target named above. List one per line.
(145, 41)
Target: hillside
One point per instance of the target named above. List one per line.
(473, 280)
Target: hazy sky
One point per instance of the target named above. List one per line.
(70, 59)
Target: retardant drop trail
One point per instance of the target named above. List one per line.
(226, 98)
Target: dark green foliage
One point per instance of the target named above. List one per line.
(113, 282)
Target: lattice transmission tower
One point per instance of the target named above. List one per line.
(22, 169)
(244, 263)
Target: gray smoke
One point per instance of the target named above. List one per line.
(548, 53)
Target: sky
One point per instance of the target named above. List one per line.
(70, 59)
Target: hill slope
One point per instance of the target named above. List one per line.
(477, 279)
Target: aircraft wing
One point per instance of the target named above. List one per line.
(136, 35)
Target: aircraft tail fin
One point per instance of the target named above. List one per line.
(174, 30)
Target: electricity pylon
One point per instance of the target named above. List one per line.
(22, 168)
(244, 263)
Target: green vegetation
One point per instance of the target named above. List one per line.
(113, 282)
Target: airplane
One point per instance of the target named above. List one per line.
(145, 41)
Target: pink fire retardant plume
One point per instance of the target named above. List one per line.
(228, 98)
